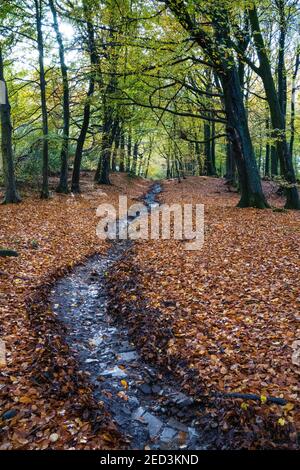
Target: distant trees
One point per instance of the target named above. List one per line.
(122, 88)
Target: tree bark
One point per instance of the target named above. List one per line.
(75, 187)
(40, 41)
(116, 149)
(293, 101)
(64, 155)
(11, 194)
(238, 131)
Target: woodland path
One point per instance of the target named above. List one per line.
(147, 406)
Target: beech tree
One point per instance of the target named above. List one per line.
(11, 193)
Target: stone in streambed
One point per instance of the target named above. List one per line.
(115, 372)
(167, 435)
(128, 356)
(154, 424)
(146, 389)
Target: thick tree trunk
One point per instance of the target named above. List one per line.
(103, 170)
(230, 174)
(238, 132)
(11, 193)
(40, 41)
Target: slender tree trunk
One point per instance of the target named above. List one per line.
(281, 71)
(267, 164)
(116, 149)
(129, 150)
(122, 150)
(64, 155)
(198, 157)
(134, 159)
(293, 101)
(11, 194)
(75, 188)
(40, 41)
(277, 117)
(87, 106)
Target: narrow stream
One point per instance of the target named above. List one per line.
(148, 408)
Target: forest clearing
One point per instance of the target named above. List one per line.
(149, 237)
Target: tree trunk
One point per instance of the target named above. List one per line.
(230, 165)
(11, 194)
(87, 107)
(267, 164)
(122, 150)
(277, 117)
(129, 150)
(102, 174)
(134, 159)
(64, 155)
(238, 131)
(40, 41)
(293, 101)
(116, 149)
(75, 188)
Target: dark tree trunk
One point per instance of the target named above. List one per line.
(102, 173)
(198, 156)
(274, 161)
(238, 132)
(267, 164)
(293, 101)
(129, 150)
(230, 174)
(11, 194)
(40, 41)
(116, 149)
(122, 150)
(281, 71)
(75, 188)
(87, 107)
(64, 155)
(134, 159)
(277, 117)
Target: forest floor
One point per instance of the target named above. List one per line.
(224, 319)
(45, 401)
